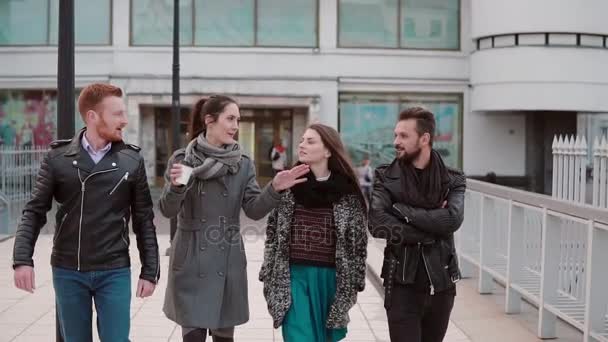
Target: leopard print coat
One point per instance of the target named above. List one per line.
(351, 251)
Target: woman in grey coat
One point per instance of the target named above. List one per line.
(207, 282)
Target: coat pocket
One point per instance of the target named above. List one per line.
(181, 249)
(125, 232)
(122, 179)
(58, 231)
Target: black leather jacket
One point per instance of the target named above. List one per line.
(95, 204)
(415, 234)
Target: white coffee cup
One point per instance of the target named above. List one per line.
(185, 176)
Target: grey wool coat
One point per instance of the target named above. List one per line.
(350, 218)
(207, 278)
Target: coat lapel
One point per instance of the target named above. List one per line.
(80, 158)
(110, 160)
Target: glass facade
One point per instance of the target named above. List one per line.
(367, 122)
(240, 23)
(224, 23)
(370, 24)
(152, 22)
(407, 24)
(35, 22)
(92, 22)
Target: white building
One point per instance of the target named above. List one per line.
(494, 72)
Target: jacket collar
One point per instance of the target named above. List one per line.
(393, 170)
(82, 159)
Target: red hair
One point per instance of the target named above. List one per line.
(93, 94)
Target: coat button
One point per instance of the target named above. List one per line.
(113, 164)
(223, 248)
(74, 162)
(221, 274)
(203, 248)
(225, 194)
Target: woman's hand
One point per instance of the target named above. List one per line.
(286, 179)
(175, 173)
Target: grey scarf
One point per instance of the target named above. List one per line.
(210, 162)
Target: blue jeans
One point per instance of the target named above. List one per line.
(111, 291)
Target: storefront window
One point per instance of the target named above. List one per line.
(29, 117)
(367, 123)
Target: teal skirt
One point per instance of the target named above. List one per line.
(312, 292)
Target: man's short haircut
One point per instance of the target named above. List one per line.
(93, 94)
(425, 120)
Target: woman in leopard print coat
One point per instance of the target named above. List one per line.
(316, 245)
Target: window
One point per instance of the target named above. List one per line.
(91, 22)
(291, 23)
(287, 23)
(152, 22)
(23, 22)
(409, 24)
(430, 24)
(367, 122)
(225, 23)
(368, 24)
(36, 22)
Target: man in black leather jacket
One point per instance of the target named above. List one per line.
(99, 183)
(417, 205)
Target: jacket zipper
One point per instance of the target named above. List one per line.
(124, 220)
(60, 226)
(407, 220)
(405, 247)
(123, 178)
(404, 262)
(82, 190)
(427, 270)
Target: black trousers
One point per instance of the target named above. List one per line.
(416, 316)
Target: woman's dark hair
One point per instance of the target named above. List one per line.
(214, 105)
(339, 162)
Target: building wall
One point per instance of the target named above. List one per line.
(517, 16)
(494, 83)
(549, 56)
(495, 142)
(304, 76)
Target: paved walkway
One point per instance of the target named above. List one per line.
(30, 317)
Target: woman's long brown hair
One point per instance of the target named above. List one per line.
(339, 162)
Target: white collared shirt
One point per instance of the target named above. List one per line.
(95, 155)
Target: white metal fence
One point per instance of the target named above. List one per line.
(570, 162)
(18, 170)
(548, 251)
(569, 168)
(600, 171)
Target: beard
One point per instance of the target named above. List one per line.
(410, 157)
(107, 133)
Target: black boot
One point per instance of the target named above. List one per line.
(198, 335)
